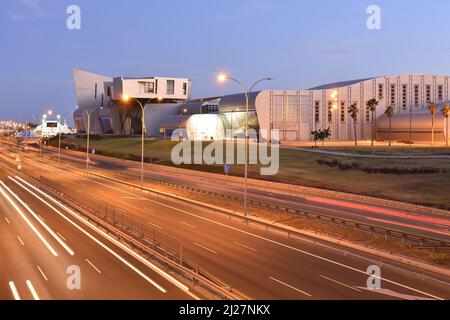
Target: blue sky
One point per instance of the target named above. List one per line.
(301, 43)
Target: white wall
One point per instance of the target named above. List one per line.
(303, 124)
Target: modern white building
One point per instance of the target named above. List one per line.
(50, 129)
(102, 98)
(295, 113)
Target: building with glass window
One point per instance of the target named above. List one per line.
(295, 113)
(102, 97)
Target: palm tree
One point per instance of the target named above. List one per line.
(389, 112)
(432, 107)
(372, 106)
(353, 111)
(446, 114)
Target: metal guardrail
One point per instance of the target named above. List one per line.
(419, 241)
(414, 239)
(153, 243)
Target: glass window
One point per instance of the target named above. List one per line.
(428, 93)
(393, 94)
(380, 91)
(343, 111)
(440, 92)
(317, 111)
(416, 94)
(291, 113)
(330, 111)
(170, 87)
(404, 96)
(277, 112)
(184, 88)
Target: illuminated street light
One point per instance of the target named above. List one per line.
(222, 78)
(127, 98)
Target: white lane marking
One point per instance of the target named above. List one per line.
(93, 266)
(394, 294)
(41, 217)
(287, 246)
(59, 234)
(32, 290)
(189, 225)
(289, 286)
(42, 273)
(38, 234)
(108, 237)
(342, 284)
(38, 218)
(244, 246)
(206, 248)
(134, 198)
(154, 225)
(21, 242)
(7, 221)
(14, 291)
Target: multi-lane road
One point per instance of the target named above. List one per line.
(46, 253)
(259, 264)
(410, 222)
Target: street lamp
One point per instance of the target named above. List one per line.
(222, 78)
(127, 98)
(59, 138)
(88, 113)
(44, 117)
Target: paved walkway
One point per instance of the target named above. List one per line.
(370, 156)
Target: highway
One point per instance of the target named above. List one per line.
(423, 224)
(42, 253)
(261, 265)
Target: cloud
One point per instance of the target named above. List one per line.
(28, 9)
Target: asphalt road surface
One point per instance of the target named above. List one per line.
(262, 265)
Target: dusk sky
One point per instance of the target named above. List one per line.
(301, 43)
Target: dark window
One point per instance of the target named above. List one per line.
(95, 91)
(170, 87)
(380, 91)
(342, 111)
(330, 111)
(416, 94)
(317, 111)
(185, 88)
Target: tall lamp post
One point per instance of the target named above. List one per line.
(223, 78)
(127, 98)
(88, 114)
(44, 117)
(59, 137)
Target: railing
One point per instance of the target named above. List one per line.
(417, 240)
(153, 243)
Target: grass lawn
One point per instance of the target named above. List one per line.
(300, 167)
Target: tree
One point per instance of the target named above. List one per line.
(432, 107)
(389, 112)
(372, 106)
(353, 111)
(321, 135)
(446, 114)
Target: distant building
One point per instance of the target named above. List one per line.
(50, 129)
